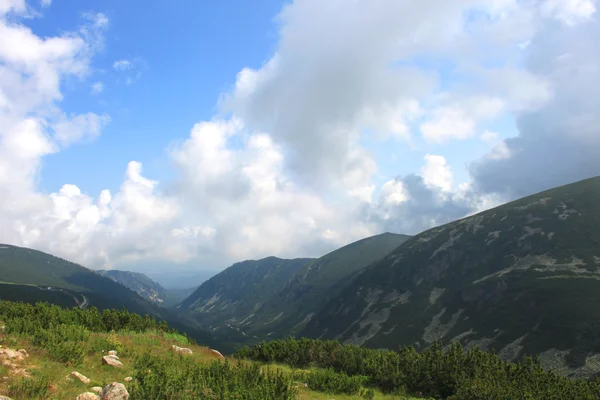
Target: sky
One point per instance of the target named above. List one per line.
(181, 138)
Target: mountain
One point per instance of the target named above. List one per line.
(522, 278)
(139, 283)
(274, 297)
(240, 289)
(24, 266)
(30, 275)
(294, 304)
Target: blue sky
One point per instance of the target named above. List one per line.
(186, 56)
(187, 136)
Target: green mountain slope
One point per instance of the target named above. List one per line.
(520, 278)
(240, 289)
(31, 275)
(31, 267)
(288, 311)
(139, 283)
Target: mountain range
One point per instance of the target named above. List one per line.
(522, 278)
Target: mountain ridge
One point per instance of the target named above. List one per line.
(490, 279)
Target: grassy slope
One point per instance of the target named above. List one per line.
(132, 343)
(29, 268)
(236, 291)
(316, 283)
(496, 288)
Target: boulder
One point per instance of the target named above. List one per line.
(181, 350)
(114, 391)
(217, 353)
(112, 361)
(82, 378)
(112, 353)
(96, 389)
(87, 396)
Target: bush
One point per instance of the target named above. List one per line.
(36, 387)
(177, 377)
(329, 381)
(452, 373)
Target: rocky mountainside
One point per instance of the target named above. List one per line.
(239, 290)
(272, 298)
(522, 278)
(139, 283)
(288, 311)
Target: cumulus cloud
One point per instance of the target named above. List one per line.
(559, 142)
(283, 169)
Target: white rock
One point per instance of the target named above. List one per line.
(87, 396)
(82, 378)
(181, 350)
(216, 352)
(96, 389)
(114, 391)
(112, 361)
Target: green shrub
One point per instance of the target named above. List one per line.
(35, 387)
(452, 373)
(177, 377)
(329, 381)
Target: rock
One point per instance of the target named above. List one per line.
(87, 396)
(10, 354)
(181, 350)
(128, 379)
(112, 361)
(114, 391)
(96, 389)
(82, 378)
(4, 397)
(217, 353)
(112, 353)
(23, 352)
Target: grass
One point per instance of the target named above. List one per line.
(51, 380)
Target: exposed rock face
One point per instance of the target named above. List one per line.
(82, 378)
(114, 391)
(87, 396)
(181, 350)
(217, 353)
(113, 361)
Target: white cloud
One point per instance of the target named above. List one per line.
(46, 3)
(436, 172)
(568, 12)
(68, 130)
(448, 123)
(122, 65)
(97, 87)
(287, 172)
(490, 137)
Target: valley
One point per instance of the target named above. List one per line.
(521, 280)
